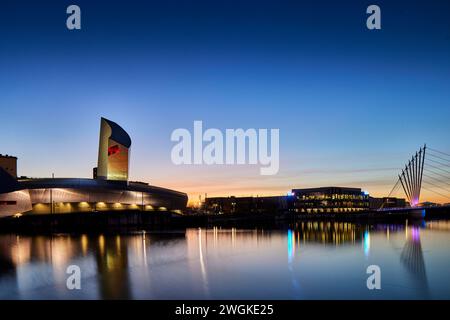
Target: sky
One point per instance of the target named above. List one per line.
(352, 104)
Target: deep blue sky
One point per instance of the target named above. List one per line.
(352, 105)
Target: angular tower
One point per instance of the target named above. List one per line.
(113, 152)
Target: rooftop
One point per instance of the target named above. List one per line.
(7, 156)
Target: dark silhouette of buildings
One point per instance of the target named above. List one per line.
(386, 202)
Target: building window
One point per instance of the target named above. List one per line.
(8, 203)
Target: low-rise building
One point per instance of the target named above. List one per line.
(386, 202)
(246, 205)
(110, 190)
(330, 200)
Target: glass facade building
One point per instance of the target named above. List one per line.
(330, 200)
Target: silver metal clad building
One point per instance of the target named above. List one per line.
(110, 190)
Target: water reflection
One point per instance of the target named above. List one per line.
(112, 265)
(329, 232)
(231, 263)
(366, 243)
(202, 263)
(291, 244)
(413, 260)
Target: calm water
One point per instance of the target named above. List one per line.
(311, 260)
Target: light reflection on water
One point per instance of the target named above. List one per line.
(309, 260)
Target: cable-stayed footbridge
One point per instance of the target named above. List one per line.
(428, 169)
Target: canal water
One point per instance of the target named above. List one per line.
(308, 260)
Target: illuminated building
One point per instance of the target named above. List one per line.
(312, 200)
(113, 152)
(109, 191)
(330, 200)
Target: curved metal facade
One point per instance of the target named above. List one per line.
(113, 152)
(36, 196)
(110, 191)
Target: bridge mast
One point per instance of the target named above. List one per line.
(404, 189)
(411, 177)
(421, 171)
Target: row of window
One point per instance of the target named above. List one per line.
(340, 204)
(333, 196)
(328, 210)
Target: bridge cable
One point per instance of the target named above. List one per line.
(439, 151)
(437, 173)
(438, 168)
(441, 181)
(443, 195)
(437, 186)
(440, 163)
(390, 193)
(440, 158)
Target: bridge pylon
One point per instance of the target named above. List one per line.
(411, 177)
